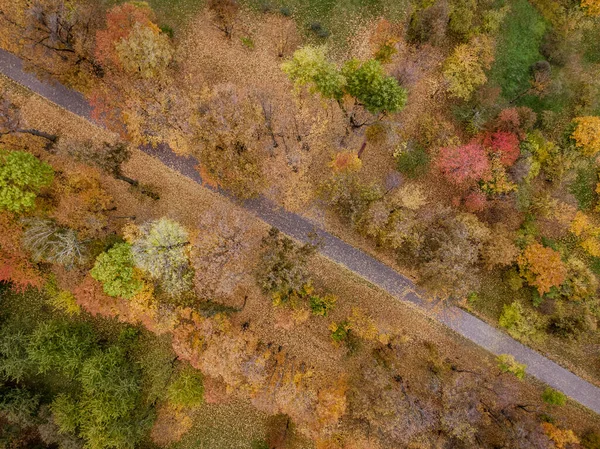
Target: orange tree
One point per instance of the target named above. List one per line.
(542, 267)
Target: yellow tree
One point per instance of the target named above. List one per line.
(587, 134)
(464, 69)
(542, 267)
(591, 7)
(561, 437)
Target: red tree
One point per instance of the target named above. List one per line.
(475, 201)
(463, 165)
(504, 144)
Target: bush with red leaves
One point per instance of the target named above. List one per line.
(463, 165)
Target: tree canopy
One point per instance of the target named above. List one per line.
(22, 175)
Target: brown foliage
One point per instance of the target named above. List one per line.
(15, 265)
(500, 249)
(225, 13)
(220, 252)
(170, 425)
(54, 37)
(233, 139)
(82, 203)
(560, 437)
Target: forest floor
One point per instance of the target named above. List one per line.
(187, 201)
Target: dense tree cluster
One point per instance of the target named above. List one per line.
(456, 137)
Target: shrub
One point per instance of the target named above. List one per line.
(553, 397)
(567, 326)
(508, 364)
(518, 322)
(283, 269)
(115, 270)
(339, 331)
(322, 305)
(319, 30)
(260, 444)
(591, 440)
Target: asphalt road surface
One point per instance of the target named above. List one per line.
(357, 261)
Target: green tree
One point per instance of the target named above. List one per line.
(161, 250)
(110, 393)
(309, 67)
(18, 405)
(366, 82)
(22, 176)
(14, 361)
(372, 88)
(60, 346)
(187, 390)
(115, 270)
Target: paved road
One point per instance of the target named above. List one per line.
(344, 254)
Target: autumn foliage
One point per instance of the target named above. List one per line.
(504, 144)
(15, 265)
(120, 22)
(463, 165)
(587, 134)
(562, 438)
(542, 267)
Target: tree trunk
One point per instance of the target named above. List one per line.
(127, 179)
(34, 132)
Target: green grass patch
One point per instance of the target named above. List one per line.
(331, 20)
(584, 187)
(517, 48)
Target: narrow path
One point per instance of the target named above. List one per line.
(342, 253)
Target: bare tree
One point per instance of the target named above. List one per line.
(11, 122)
